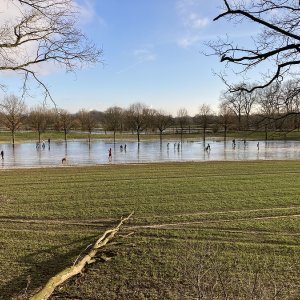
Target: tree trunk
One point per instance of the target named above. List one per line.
(13, 137)
(225, 132)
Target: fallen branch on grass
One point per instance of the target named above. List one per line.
(77, 268)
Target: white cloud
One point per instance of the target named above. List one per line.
(192, 21)
(196, 22)
(87, 12)
(183, 6)
(188, 41)
(188, 12)
(143, 55)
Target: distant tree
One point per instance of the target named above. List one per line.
(162, 121)
(234, 101)
(290, 97)
(137, 118)
(278, 106)
(87, 122)
(113, 119)
(37, 119)
(63, 121)
(12, 112)
(98, 116)
(182, 120)
(35, 33)
(151, 120)
(205, 113)
(249, 102)
(291, 103)
(268, 100)
(226, 117)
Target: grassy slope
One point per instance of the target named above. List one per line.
(246, 212)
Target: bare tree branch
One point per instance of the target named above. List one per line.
(76, 268)
(278, 44)
(44, 32)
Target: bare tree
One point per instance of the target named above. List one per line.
(205, 112)
(249, 102)
(37, 119)
(138, 118)
(162, 121)
(182, 119)
(113, 119)
(290, 98)
(42, 32)
(64, 121)
(278, 105)
(225, 117)
(269, 101)
(234, 101)
(275, 48)
(291, 102)
(87, 122)
(13, 112)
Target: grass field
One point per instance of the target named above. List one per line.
(210, 230)
(25, 136)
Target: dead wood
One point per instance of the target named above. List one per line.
(79, 265)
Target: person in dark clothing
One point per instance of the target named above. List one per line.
(109, 154)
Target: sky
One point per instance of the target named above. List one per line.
(152, 53)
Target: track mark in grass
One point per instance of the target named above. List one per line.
(225, 212)
(105, 221)
(98, 223)
(255, 232)
(236, 211)
(171, 225)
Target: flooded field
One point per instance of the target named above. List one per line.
(80, 152)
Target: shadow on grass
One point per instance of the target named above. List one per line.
(41, 269)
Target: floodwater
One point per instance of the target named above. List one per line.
(80, 152)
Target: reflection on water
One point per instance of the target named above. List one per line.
(83, 153)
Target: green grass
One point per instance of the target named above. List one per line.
(31, 136)
(243, 217)
(26, 136)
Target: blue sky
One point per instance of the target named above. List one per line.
(151, 54)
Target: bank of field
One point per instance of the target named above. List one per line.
(217, 228)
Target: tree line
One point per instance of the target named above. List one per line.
(275, 108)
